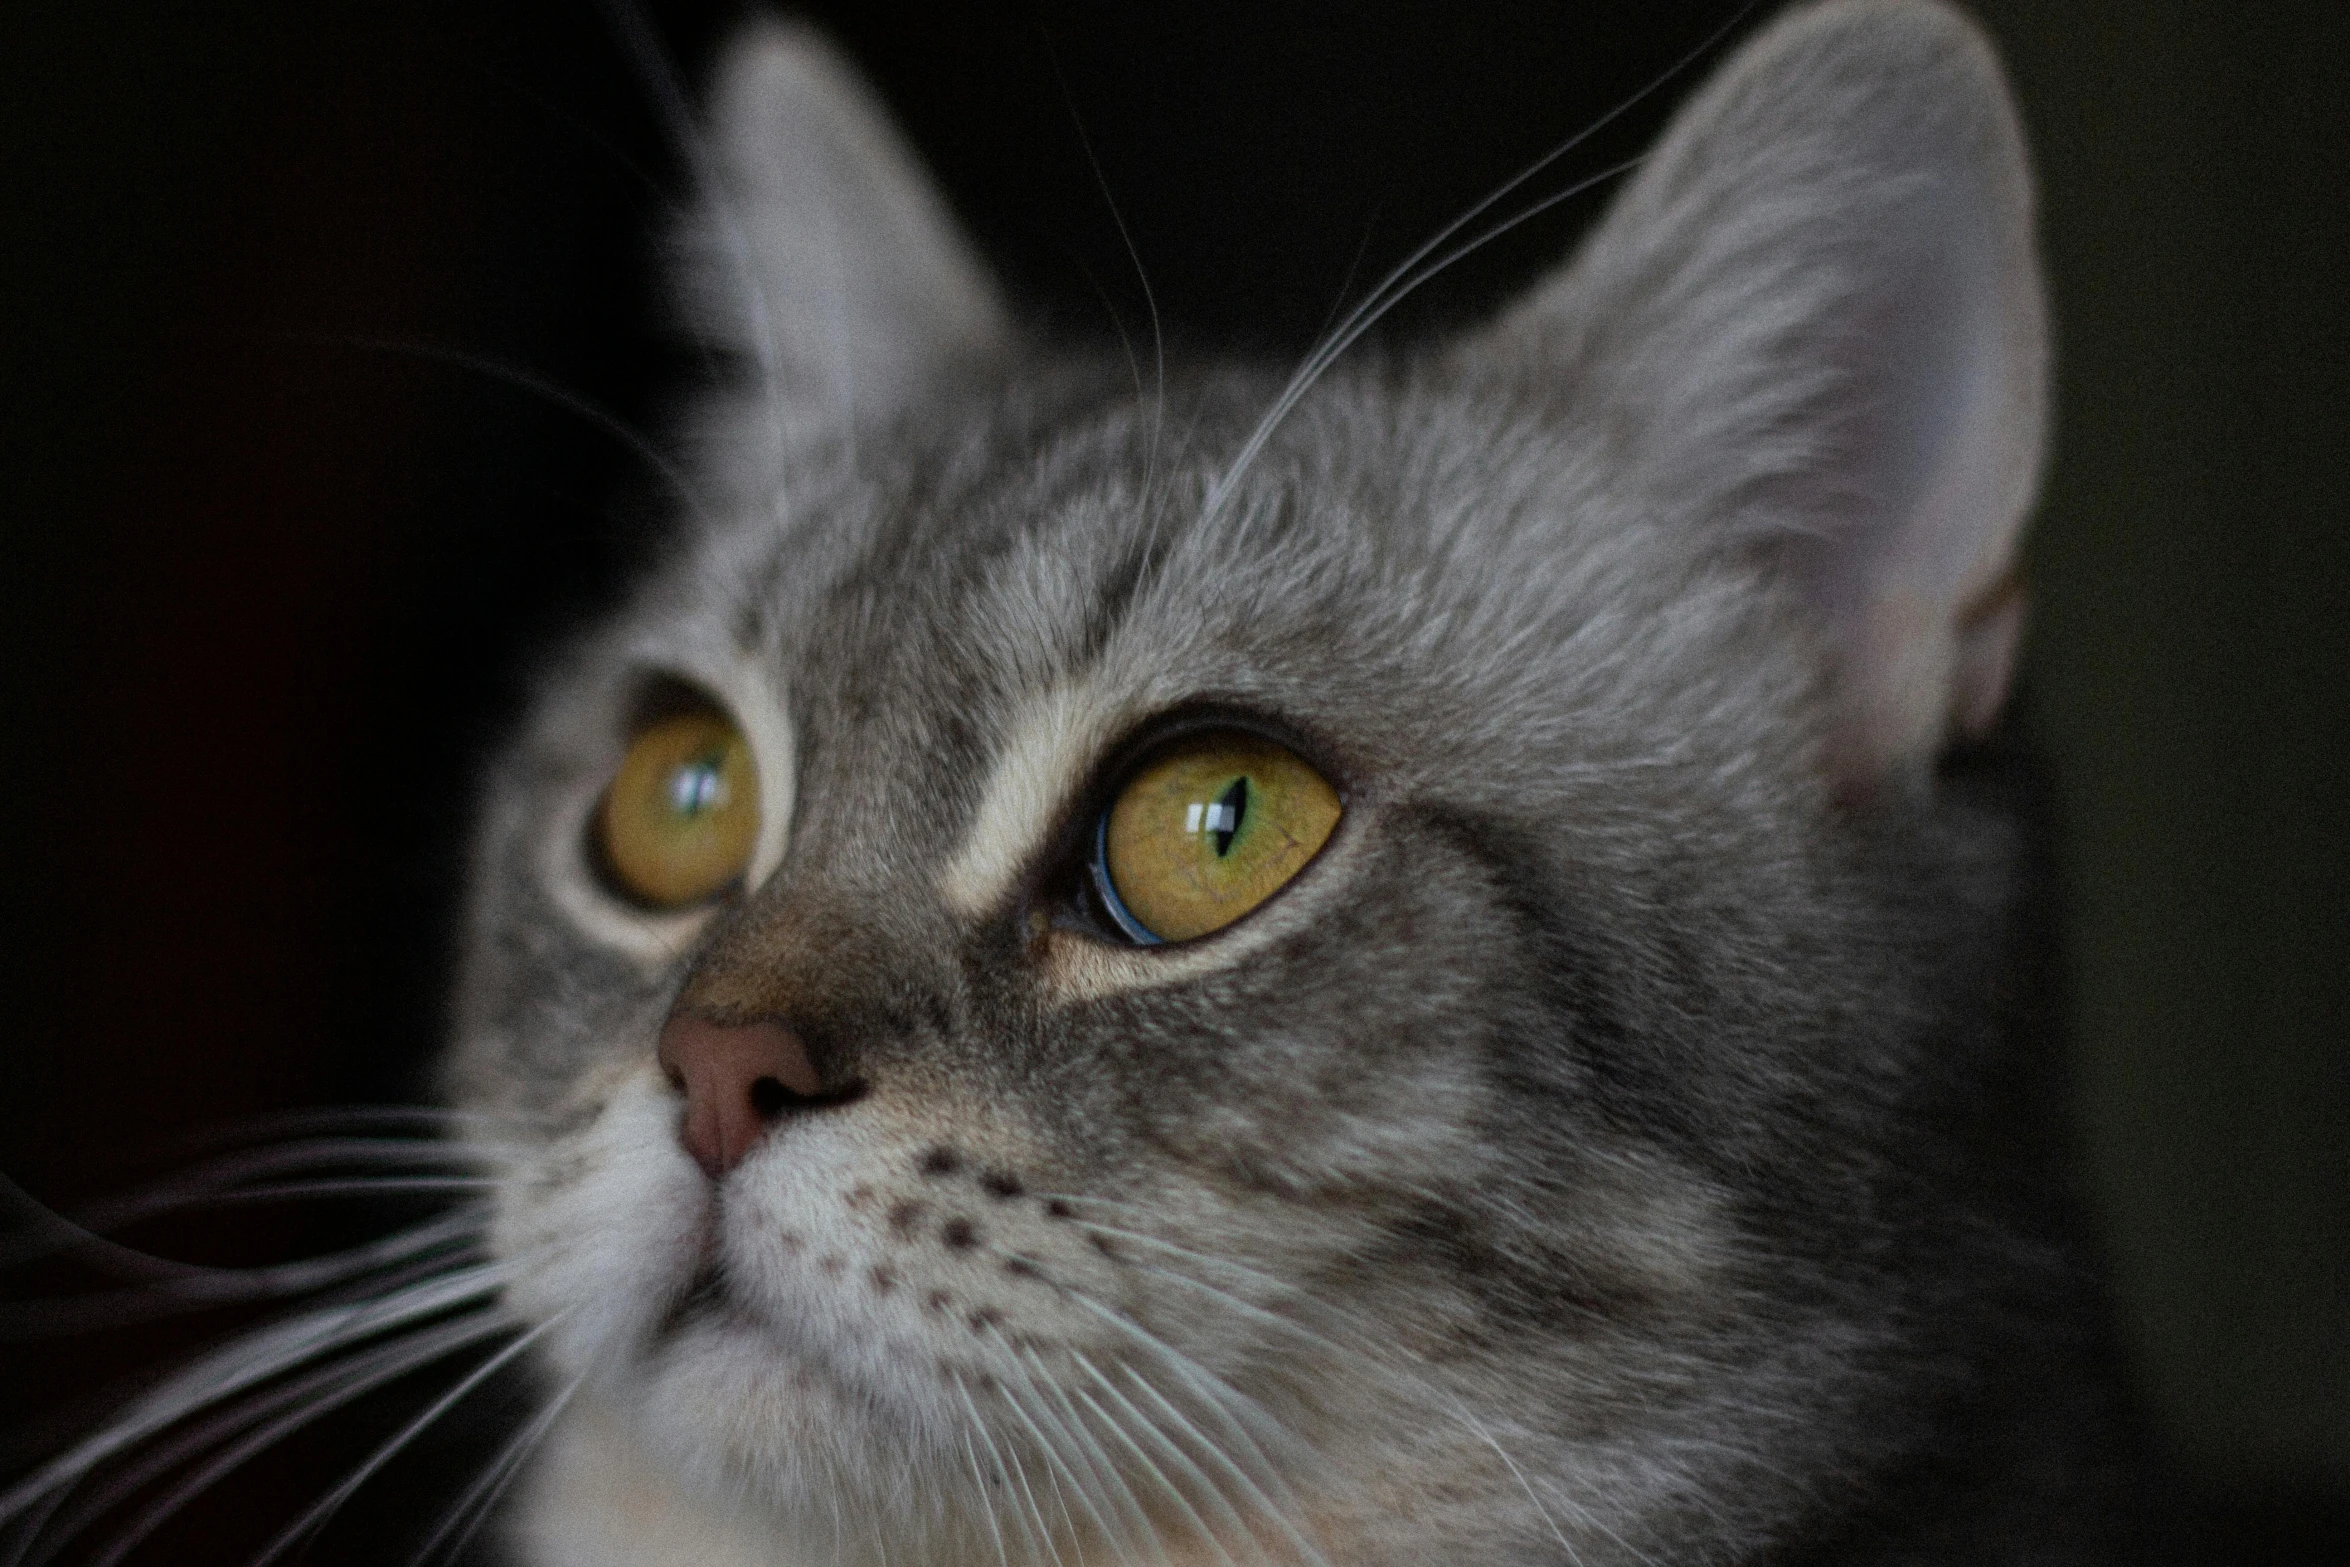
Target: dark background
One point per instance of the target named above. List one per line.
(279, 525)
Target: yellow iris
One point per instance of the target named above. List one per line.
(1212, 829)
(681, 816)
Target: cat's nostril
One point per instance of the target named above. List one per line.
(737, 1080)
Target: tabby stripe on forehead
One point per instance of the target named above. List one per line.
(1048, 751)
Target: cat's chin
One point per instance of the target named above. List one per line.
(625, 1490)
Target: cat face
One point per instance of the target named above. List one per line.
(1357, 969)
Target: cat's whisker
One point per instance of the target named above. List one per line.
(1373, 311)
(1373, 1351)
(262, 1196)
(1409, 273)
(1364, 1342)
(249, 1361)
(304, 1156)
(1226, 1404)
(1135, 1522)
(1151, 1466)
(1278, 1513)
(50, 1232)
(1284, 1288)
(996, 1459)
(1160, 1243)
(1149, 299)
(1056, 1455)
(1050, 1460)
(332, 1502)
(1040, 1527)
(556, 395)
(44, 1232)
(470, 1511)
(319, 1390)
(315, 1397)
(1370, 1354)
(30, 1527)
(348, 1186)
(1479, 1430)
(279, 1126)
(197, 1289)
(985, 1501)
(1175, 1451)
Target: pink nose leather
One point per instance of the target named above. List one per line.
(737, 1078)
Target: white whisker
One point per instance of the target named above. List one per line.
(1409, 273)
(996, 1457)
(283, 1125)
(1174, 1450)
(1150, 303)
(52, 1232)
(986, 1504)
(481, 1498)
(246, 1362)
(1224, 1402)
(154, 1459)
(333, 1500)
(334, 1386)
(587, 409)
(1174, 1492)
(190, 1288)
(1097, 1458)
(1057, 1458)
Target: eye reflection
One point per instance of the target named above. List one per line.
(1207, 832)
(679, 820)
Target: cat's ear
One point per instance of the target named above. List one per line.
(818, 249)
(1816, 317)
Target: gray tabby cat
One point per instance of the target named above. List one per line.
(1431, 962)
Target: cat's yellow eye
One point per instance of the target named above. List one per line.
(1206, 832)
(681, 817)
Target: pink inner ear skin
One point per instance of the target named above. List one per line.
(1990, 635)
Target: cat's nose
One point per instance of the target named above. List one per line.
(738, 1080)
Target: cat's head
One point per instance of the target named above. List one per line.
(1289, 967)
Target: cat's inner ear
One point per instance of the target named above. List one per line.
(817, 248)
(1815, 321)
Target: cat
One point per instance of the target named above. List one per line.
(1438, 958)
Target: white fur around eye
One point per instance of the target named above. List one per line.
(1043, 763)
(656, 939)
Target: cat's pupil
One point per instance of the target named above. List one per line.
(1225, 815)
(698, 786)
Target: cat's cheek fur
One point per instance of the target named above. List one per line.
(603, 1229)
